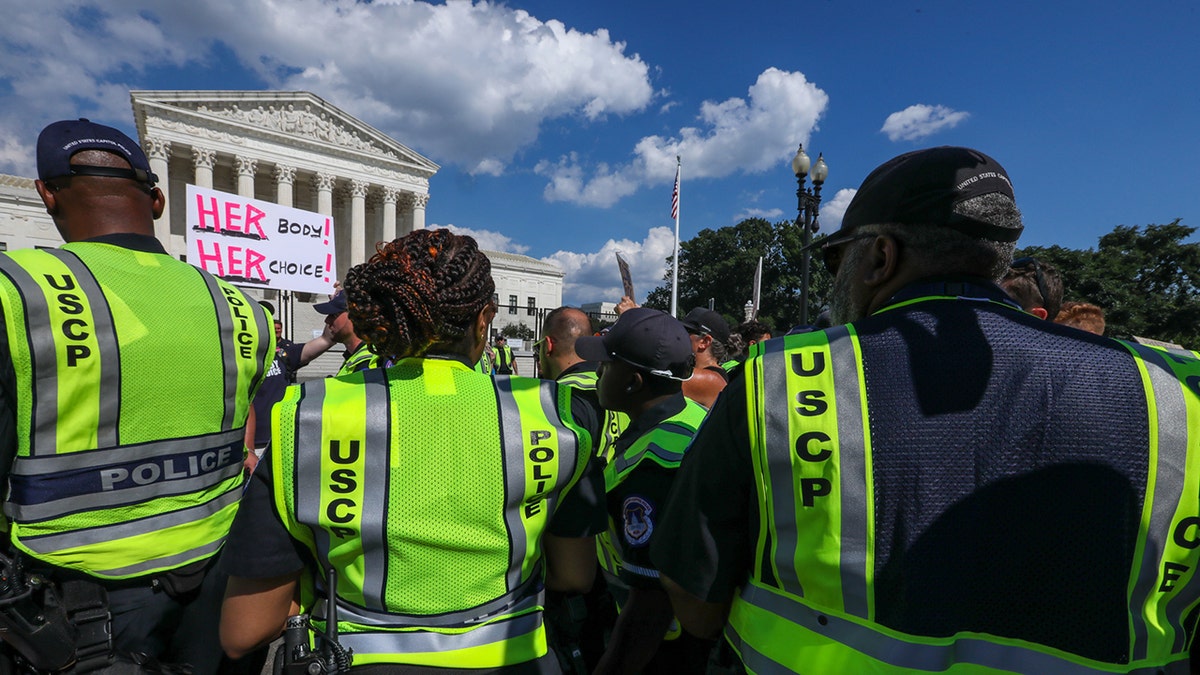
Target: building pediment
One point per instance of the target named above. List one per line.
(288, 116)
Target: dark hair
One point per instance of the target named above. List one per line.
(941, 250)
(421, 291)
(752, 330)
(1026, 280)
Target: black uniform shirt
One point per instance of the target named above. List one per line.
(1008, 459)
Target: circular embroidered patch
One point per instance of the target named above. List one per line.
(638, 526)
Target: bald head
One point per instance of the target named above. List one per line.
(559, 332)
(90, 206)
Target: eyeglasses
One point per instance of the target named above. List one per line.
(537, 346)
(832, 254)
(1021, 264)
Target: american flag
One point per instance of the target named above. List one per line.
(675, 196)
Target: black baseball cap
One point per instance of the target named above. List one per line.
(335, 305)
(922, 188)
(706, 321)
(646, 339)
(59, 141)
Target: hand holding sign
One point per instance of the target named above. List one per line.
(256, 243)
(626, 277)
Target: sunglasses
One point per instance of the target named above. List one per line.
(1021, 264)
(537, 346)
(832, 255)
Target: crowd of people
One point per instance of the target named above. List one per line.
(957, 473)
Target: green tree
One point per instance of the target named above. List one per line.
(1147, 280)
(719, 264)
(517, 330)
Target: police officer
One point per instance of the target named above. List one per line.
(944, 483)
(645, 359)
(557, 360)
(444, 499)
(506, 364)
(123, 467)
(358, 355)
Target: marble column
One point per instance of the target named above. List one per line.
(245, 175)
(389, 212)
(285, 179)
(324, 187)
(418, 211)
(158, 152)
(404, 209)
(358, 221)
(203, 160)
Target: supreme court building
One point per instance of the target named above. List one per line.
(294, 149)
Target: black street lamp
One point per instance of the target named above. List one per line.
(808, 206)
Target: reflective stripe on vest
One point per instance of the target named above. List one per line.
(664, 445)
(98, 484)
(361, 359)
(812, 469)
(614, 422)
(352, 440)
(805, 639)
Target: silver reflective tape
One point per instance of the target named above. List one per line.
(512, 447)
(1167, 486)
(228, 341)
(44, 361)
(924, 657)
(568, 445)
(777, 460)
(306, 480)
(51, 543)
(71, 461)
(527, 597)
(376, 478)
(852, 470)
(407, 642)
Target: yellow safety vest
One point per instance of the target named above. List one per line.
(614, 422)
(812, 467)
(131, 406)
(362, 359)
(428, 486)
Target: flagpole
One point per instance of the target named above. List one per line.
(675, 264)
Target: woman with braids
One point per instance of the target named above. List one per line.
(444, 500)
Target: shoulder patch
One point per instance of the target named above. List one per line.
(638, 525)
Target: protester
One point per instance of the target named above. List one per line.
(122, 435)
(709, 332)
(441, 527)
(945, 483)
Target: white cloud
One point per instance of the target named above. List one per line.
(830, 216)
(737, 134)
(594, 277)
(487, 239)
(472, 81)
(766, 214)
(918, 121)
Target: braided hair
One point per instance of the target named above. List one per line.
(418, 292)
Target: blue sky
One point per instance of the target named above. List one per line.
(556, 123)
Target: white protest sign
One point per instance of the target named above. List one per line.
(250, 242)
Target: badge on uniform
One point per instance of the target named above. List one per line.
(638, 526)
